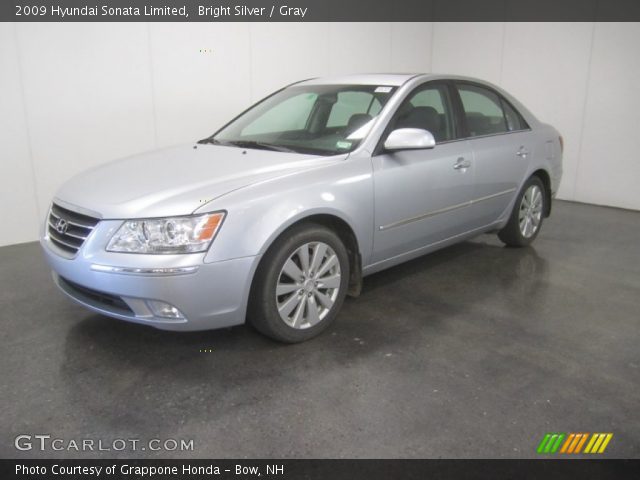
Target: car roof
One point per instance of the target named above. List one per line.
(390, 79)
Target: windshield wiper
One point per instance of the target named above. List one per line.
(210, 140)
(248, 144)
(260, 145)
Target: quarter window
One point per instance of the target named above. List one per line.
(514, 120)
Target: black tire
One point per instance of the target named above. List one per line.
(262, 312)
(512, 234)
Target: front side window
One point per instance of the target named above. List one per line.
(428, 108)
(316, 119)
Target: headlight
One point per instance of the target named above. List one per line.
(167, 235)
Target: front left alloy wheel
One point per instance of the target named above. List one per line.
(300, 284)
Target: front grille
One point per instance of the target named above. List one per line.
(112, 302)
(67, 229)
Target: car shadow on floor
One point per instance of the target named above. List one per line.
(109, 363)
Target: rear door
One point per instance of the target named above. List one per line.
(501, 144)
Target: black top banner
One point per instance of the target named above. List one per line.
(318, 10)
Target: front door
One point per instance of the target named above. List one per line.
(422, 196)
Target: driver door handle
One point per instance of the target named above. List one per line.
(461, 164)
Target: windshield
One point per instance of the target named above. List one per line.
(315, 119)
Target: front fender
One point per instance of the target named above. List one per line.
(258, 214)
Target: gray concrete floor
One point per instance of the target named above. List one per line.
(474, 351)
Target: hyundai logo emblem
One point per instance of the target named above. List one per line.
(61, 226)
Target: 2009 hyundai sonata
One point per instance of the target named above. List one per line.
(280, 214)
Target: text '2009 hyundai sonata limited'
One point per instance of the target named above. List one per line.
(279, 215)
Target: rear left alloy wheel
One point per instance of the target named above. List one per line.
(527, 215)
(300, 284)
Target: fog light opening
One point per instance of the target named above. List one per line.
(164, 310)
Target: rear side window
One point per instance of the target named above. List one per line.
(487, 113)
(483, 111)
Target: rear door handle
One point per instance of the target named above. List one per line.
(522, 152)
(461, 163)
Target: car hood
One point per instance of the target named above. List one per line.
(177, 180)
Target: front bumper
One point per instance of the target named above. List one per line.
(209, 295)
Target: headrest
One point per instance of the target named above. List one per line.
(422, 117)
(357, 120)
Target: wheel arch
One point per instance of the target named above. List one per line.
(338, 225)
(545, 178)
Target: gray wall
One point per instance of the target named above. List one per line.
(78, 94)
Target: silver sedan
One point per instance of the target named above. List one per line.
(279, 215)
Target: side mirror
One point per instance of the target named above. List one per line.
(409, 139)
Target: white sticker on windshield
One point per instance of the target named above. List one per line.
(342, 144)
(383, 89)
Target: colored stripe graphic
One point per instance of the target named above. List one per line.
(551, 442)
(543, 443)
(598, 442)
(581, 443)
(567, 442)
(573, 443)
(556, 445)
(605, 443)
(594, 437)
